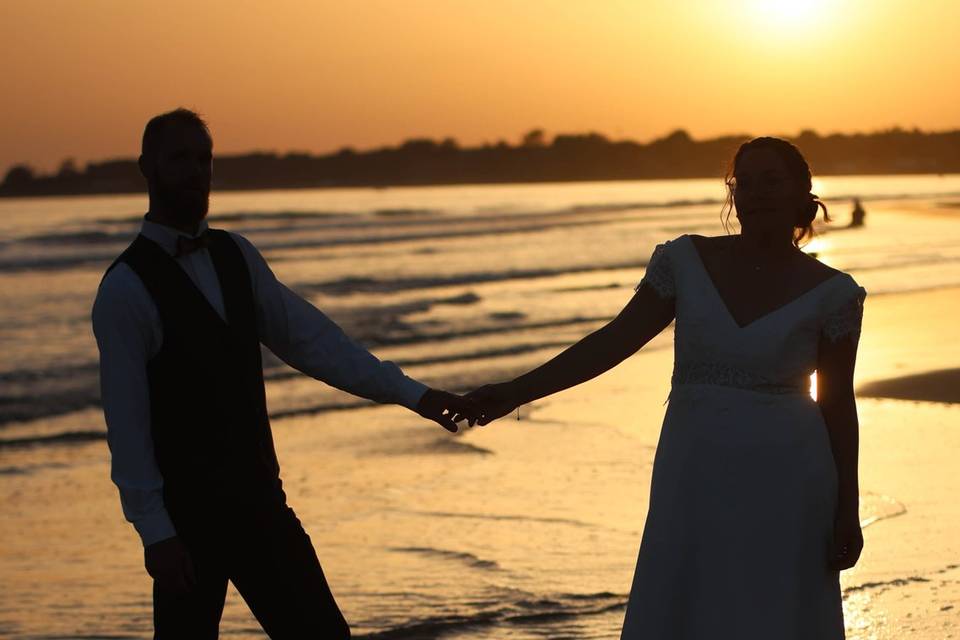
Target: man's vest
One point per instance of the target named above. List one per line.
(208, 412)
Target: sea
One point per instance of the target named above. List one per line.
(521, 530)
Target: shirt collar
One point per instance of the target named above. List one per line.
(166, 236)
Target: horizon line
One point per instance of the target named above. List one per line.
(486, 143)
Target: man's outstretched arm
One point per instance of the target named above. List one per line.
(306, 339)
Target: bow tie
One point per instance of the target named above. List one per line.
(187, 245)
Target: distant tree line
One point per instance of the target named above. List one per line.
(567, 157)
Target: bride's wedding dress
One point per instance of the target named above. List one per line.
(744, 483)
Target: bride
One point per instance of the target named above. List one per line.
(754, 497)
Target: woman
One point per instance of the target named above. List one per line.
(754, 498)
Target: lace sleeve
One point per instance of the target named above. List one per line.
(659, 275)
(845, 322)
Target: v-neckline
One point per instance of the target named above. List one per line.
(726, 307)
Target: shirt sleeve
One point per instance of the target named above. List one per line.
(659, 275)
(844, 322)
(305, 338)
(123, 327)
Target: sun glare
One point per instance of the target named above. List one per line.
(789, 13)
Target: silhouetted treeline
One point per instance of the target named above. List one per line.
(534, 159)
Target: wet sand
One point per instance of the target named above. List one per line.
(908, 581)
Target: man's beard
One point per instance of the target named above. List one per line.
(186, 206)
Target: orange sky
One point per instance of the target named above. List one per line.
(80, 79)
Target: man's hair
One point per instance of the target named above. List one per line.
(153, 132)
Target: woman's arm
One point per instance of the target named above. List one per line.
(646, 315)
(835, 396)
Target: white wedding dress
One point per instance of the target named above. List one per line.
(744, 484)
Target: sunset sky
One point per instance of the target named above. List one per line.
(80, 79)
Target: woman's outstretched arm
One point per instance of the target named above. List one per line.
(835, 395)
(646, 315)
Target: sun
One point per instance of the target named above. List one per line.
(790, 13)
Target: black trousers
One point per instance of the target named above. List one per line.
(260, 547)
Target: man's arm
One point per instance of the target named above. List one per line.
(122, 324)
(306, 339)
(124, 318)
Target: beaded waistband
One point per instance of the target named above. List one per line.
(723, 375)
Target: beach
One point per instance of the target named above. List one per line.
(522, 529)
(907, 583)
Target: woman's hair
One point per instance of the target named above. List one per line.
(798, 170)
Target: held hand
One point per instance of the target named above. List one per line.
(847, 542)
(447, 409)
(494, 401)
(169, 563)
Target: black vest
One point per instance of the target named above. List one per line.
(208, 412)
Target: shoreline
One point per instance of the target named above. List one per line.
(137, 190)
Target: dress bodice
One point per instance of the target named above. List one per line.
(776, 353)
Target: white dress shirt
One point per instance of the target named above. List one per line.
(129, 333)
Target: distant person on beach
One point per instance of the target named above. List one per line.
(858, 215)
(179, 319)
(754, 499)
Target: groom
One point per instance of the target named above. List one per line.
(179, 319)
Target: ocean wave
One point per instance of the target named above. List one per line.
(464, 557)
(918, 261)
(432, 627)
(405, 213)
(31, 394)
(522, 612)
(97, 636)
(46, 405)
(40, 375)
(57, 263)
(446, 231)
(24, 470)
(898, 582)
(506, 517)
(67, 437)
(444, 336)
(254, 214)
(383, 227)
(79, 237)
(879, 507)
(649, 204)
(866, 196)
(353, 284)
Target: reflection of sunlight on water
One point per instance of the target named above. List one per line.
(875, 507)
(818, 187)
(817, 246)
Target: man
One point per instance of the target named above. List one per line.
(179, 319)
